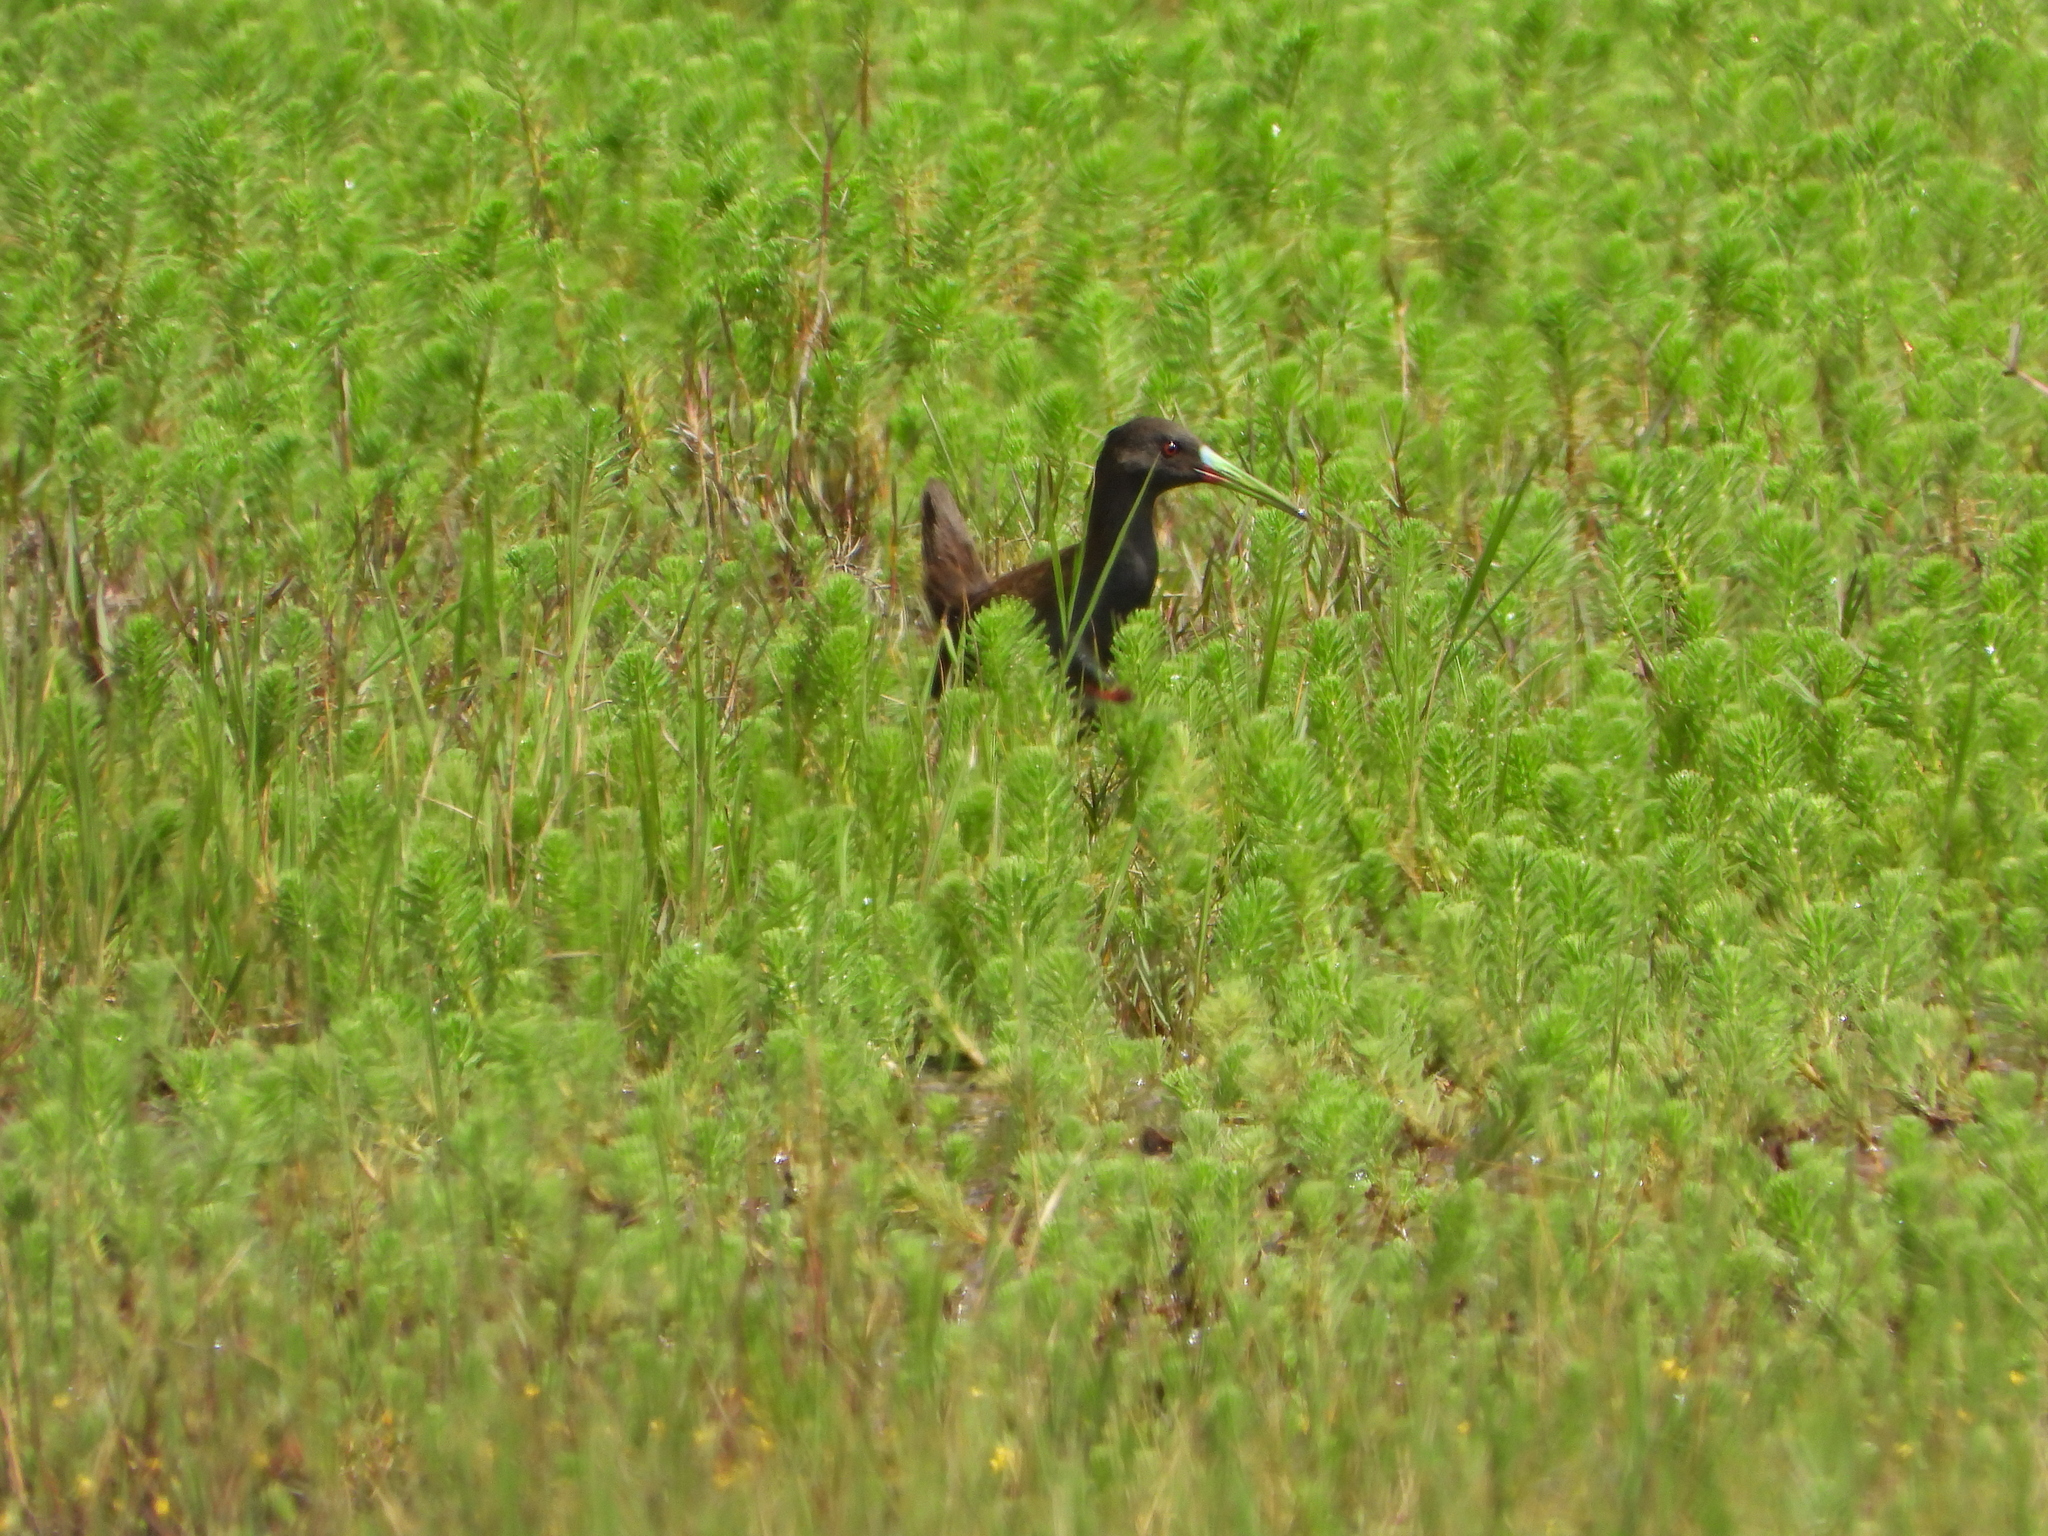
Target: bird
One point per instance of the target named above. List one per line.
(1081, 594)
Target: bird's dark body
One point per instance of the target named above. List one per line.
(1084, 598)
(1084, 592)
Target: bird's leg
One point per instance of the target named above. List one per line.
(949, 653)
(1094, 682)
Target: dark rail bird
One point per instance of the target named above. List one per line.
(1081, 594)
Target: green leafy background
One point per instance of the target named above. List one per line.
(518, 1013)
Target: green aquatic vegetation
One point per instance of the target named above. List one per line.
(517, 1010)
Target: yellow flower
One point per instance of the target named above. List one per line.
(532, 1389)
(1464, 1426)
(61, 1401)
(2015, 1377)
(84, 1486)
(1673, 1369)
(161, 1505)
(1003, 1458)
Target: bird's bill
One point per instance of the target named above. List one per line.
(1218, 470)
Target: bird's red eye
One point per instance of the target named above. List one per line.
(1169, 448)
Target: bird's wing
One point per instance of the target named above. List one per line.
(953, 574)
(1034, 583)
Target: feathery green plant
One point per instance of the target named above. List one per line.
(516, 1011)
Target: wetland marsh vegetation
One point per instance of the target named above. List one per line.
(518, 1013)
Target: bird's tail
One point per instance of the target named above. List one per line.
(953, 573)
(952, 569)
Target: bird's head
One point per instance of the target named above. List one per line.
(1148, 450)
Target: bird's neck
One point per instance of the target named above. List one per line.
(1120, 525)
